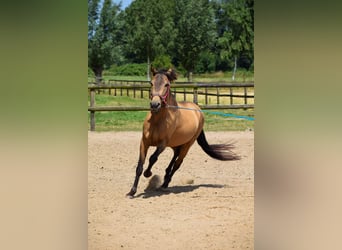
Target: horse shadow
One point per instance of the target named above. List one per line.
(176, 190)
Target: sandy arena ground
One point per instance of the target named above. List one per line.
(209, 203)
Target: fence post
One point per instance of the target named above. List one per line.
(92, 113)
(121, 88)
(245, 93)
(98, 80)
(217, 96)
(196, 95)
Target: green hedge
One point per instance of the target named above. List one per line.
(90, 73)
(132, 69)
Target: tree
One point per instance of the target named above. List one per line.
(206, 62)
(93, 15)
(149, 30)
(194, 21)
(162, 62)
(237, 39)
(103, 30)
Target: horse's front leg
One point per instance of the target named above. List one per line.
(153, 159)
(139, 169)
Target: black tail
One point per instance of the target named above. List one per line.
(218, 151)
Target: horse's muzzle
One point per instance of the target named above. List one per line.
(155, 106)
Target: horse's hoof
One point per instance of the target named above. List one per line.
(147, 174)
(130, 196)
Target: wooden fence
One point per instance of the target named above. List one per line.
(226, 95)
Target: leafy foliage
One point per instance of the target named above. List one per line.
(193, 35)
(206, 62)
(149, 29)
(103, 43)
(237, 27)
(130, 69)
(162, 61)
(90, 72)
(195, 23)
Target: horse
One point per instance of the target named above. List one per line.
(173, 124)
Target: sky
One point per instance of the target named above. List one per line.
(124, 4)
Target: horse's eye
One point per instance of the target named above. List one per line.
(151, 83)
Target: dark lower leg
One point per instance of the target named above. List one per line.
(152, 160)
(172, 162)
(139, 169)
(168, 176)
(182, 151)
(136, 181)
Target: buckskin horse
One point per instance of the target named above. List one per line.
(173, 124)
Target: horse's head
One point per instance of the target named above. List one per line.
(160, 87)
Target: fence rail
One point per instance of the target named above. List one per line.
(130, 84)
(220, 91)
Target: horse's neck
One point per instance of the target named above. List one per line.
(167, 114)
(172, 100)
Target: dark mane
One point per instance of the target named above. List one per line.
(171, 74)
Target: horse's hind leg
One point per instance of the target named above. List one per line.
(172, 162)
(172, 168)
(153, 159)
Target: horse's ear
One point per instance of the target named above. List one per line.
(153, 71)
(171, 74)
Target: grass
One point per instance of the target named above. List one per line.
(215, 122)
(133, 120)
(109, 100)
(119, 120)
